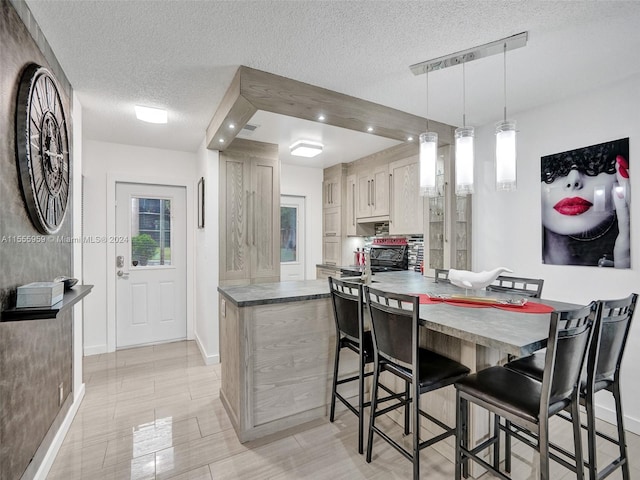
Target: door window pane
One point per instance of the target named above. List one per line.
(150, 231)
(288, 234)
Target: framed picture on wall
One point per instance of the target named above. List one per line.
(201, 202)
(586, 206)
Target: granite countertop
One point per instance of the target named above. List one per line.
(511, 332)
(330, 266)
(281, 292)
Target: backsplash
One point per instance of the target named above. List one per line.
(415, 243)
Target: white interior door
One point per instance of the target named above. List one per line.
(150, 264)
(292, 238)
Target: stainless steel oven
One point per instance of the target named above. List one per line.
(384, 258)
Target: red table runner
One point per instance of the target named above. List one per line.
(529, 307)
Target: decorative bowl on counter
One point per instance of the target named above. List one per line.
(68, 282)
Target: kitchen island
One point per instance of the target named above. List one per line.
(277, 346)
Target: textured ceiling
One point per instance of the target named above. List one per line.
(181, 55)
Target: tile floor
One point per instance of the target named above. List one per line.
(154, 412)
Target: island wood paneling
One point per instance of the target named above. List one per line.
(291, 358)
(277, 365)
(231, 357)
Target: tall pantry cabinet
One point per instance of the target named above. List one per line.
(332, 217)
(249, 213)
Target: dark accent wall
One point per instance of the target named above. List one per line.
(35, 356)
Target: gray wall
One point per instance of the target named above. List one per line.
(35, 356)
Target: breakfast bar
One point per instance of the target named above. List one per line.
(277, 345)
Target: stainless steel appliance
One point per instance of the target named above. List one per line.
(384, 258)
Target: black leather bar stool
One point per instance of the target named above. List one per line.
(529, 403)
(603, 373)
(529, 287)
(348, 313)
(394, 323)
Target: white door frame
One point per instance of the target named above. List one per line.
(187, 183)
(302, 228)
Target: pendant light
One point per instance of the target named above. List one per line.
(428, 155)
(505, 145)
(464, 137)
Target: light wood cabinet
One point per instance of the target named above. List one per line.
(447, 234)
(249, 213)
(332, 250)
(332, 190)
(373, 193)
(334, 184)
(350, 219)
(407, 206)
(326, 272)
(331, 221)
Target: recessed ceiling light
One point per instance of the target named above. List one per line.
(321, 117)
(221, 140)
(306, 148)
(369, 129)
(232, 126)
(151, 115)
(410, 138)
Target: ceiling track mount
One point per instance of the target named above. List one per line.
(475, 53)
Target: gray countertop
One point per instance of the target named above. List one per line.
(511, 332)
(281, 292)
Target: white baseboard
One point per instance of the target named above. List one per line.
(209, 359)
(94, 350)
(51, 454)
(608, 415)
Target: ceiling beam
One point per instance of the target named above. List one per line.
(253, 90)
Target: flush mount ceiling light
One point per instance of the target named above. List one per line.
(464, 136)
(151, 115)
(306, 148)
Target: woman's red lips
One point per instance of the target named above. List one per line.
(573, 206)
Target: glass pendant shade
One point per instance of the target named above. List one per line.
(428, 156)
(506, 155)
(464, 137)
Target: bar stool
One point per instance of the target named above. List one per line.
(348, 313)
(603, 373)
(394, 323)
(529, 287)
(442, 275)
(526, 402)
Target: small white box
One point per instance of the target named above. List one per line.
(40, 294)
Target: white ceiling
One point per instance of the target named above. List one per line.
(181, 55)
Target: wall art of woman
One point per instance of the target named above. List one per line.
(585, 206)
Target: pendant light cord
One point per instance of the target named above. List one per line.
(464, 100)
(505, 81)
(427, 75)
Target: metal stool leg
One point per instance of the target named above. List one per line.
(336, 363)
(374, 405)
(622, 438)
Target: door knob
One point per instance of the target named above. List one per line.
(122, 274)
